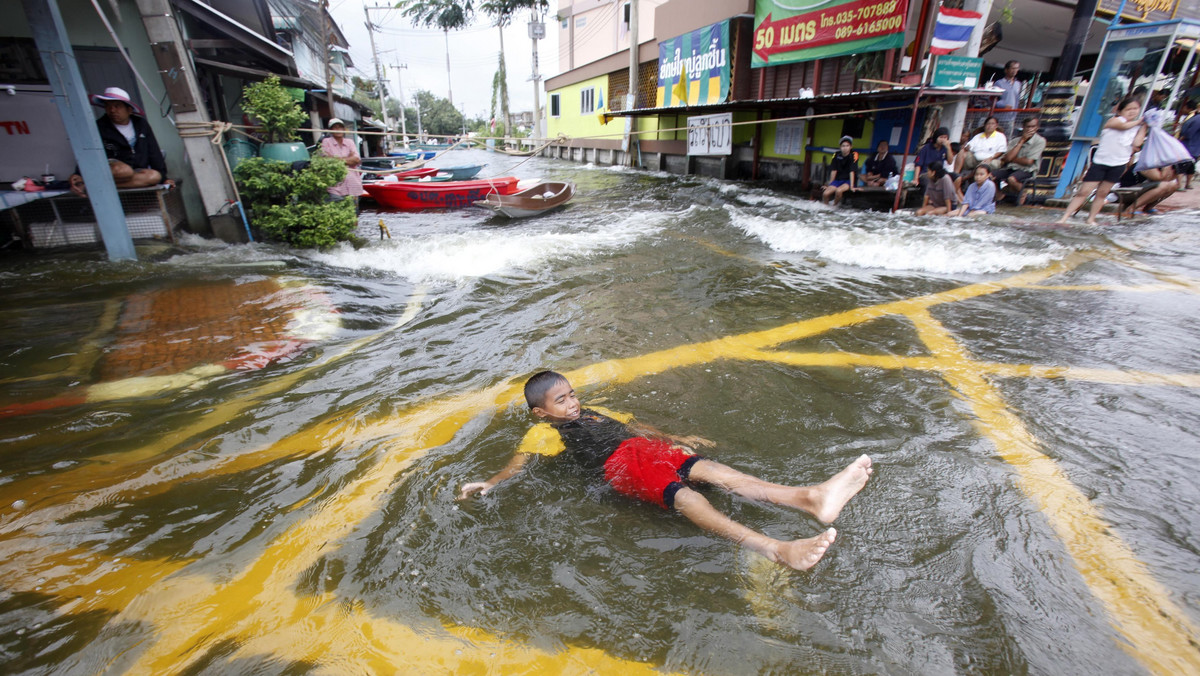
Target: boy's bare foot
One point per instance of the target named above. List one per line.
(804, 554)
(830, 497)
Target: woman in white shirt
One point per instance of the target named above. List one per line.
(1120, 136)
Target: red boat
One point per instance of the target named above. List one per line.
(444, 195)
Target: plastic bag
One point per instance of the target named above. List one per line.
(1161, 150)
(892, 183)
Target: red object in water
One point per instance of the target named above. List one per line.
(419, 172)
(445, 195)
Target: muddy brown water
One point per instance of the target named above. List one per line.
(1029, 395)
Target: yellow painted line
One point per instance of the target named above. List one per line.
(258, 606)
(192, 617)
(108, 477)
(937, 364)
(1159, 634)
(1140, 288)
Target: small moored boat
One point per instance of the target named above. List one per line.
(539, 199)
(439, 195)
(461, 172)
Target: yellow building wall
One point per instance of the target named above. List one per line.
(828, 135)
(574, 124)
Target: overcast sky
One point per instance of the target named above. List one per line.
(473, 56)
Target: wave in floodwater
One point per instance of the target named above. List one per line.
(459, 256)
(947, 246)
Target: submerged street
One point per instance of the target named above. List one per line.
(274, 491)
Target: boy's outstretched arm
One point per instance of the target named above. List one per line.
(513, 467)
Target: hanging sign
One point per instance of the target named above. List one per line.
(787, 31)
(710, 134)
(956, 71)
(693, 68)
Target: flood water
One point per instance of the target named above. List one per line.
(244, 460)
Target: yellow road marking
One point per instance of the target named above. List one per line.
(193, 614)
(1160, 635)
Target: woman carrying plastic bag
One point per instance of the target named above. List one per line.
(1161, 150)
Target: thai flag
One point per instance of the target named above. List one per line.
(953, 29)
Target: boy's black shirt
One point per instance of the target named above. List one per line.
(592, 437)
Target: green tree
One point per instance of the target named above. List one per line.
(447, 15)
(438, 116)
(502, 13)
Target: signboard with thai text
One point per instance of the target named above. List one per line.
(693, 68)
(955, 71)
(787, 31)
(710, 134)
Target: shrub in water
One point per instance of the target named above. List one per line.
(292, 206)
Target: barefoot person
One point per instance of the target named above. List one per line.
(134, 157)
(1121, 134)
(642, 462)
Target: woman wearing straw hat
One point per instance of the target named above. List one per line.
(133, 154)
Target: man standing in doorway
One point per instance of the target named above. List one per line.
(1011, 98)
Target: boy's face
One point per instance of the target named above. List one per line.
(561, 404)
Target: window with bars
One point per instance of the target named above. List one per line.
(587, 100)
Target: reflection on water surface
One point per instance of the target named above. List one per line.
(1028, 395)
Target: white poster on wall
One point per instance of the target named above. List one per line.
(790, 137)
(710, 134)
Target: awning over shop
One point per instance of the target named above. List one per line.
(228, 26)
(254, 74)
(828, 102)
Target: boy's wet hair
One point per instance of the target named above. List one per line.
(539, 384)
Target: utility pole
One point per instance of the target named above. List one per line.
(537, 31)
(387, 124)
(631, 96)
(403, 121)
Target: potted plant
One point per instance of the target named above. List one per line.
(279, 116)
(290, 202)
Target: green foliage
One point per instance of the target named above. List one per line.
(292, 207)
(438, 117)
(277, 113)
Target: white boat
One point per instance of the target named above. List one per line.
(539, 199)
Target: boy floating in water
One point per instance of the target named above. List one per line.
(642, 462)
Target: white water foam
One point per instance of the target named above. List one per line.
(949, 246)
(481, 252)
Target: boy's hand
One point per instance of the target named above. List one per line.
(480, 487)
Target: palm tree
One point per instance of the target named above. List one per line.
(502, 12)
(447, 15)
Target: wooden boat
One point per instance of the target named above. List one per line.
(539, 199)
(439, 195)
(462, 172)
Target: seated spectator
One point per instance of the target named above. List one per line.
(986, 147)
(980, 198)
(939, 192)
(880, 166)
(937, 150)
(843, 172)
(1167, 185)
(1020, 162)
(134, 157)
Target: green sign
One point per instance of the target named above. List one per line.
(788, 31)
(956, 71)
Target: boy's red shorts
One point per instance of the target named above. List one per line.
(649, 469)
